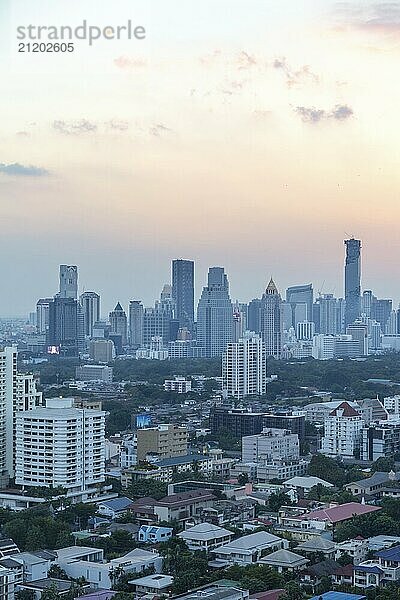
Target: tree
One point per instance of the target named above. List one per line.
(293, 591)
(50, 593)
(277, 500)
(25, 595)
(147, 487)
(243, 478)
(56, 572)
(385, 464)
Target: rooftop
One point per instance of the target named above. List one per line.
(338, 596)
(284, 557)
(340, 513)
(204, 531)
(154, 581)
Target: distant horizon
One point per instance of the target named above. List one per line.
(200, 282)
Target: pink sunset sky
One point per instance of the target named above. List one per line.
(255, 135)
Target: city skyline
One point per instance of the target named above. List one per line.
(273, 139)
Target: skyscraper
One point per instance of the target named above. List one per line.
(90, 302)
(135, 323)
(183, 291)
(63, 325)
(352, 280)
(215, 314)
(244, 367)
(300, 298)
(42, 315)
(119, 324)
(68, 281)
(271, 321)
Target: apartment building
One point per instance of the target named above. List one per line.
(164, 441)
(59, 445)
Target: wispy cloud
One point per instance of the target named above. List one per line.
(159, 129)
(294, 76)
(117, 125)
(127, 62)
(75, 127)
(245, 60)
(340, 112)
(18, 170)
(381, 17)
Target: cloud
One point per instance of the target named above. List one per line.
(380, 17)
(117, 125)
(210, 58)
(18, 170)
(245, 60)
(22, 134)
(294, 76)
(340, 112)
(159, 129)
(126, 62)
(75, 127)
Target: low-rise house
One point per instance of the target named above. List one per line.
(115, 507)
(153, 584)
(371, 486)
(131, 528)
(100, 574)
(285, 561)
(215, 592)
(318, 545)
(179, 507)
(338, 596)
(32, 567)
(247, 549)
(206, 536)
(337, 514)
(7, 583)
(40, 585)
(151, 534)
(381, 542)
(8, 547)
(384, 568)
(304, 484)
(357, 549)
(313, 574)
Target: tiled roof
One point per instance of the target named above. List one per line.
(348, 411)
(341, 512)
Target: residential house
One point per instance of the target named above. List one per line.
(318, 545)
(284, 561)
(206, 536)
(357, 549)
(155, 584)
(384, 568)
(150, 534)
(114, 507)
(247, 549)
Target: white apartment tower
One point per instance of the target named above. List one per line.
(59, 445)
(343, 428)
(17, 393)
(244, 367)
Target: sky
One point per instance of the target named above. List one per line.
(251, 135)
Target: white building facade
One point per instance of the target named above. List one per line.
(60, 446)
(244, 367)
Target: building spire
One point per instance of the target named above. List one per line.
(271, 288)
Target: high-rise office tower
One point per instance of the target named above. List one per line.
(271, 321)
(183, 291)
(64, 329)
(380, 311)
(136, 323)
(352, 280)
(366, 302)
(253, 315)
(68, 281)
(42, 315)
(329, 314)
(119, 323)
(300, 298)
(244, 367)
(90, 303)
(215, 314)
